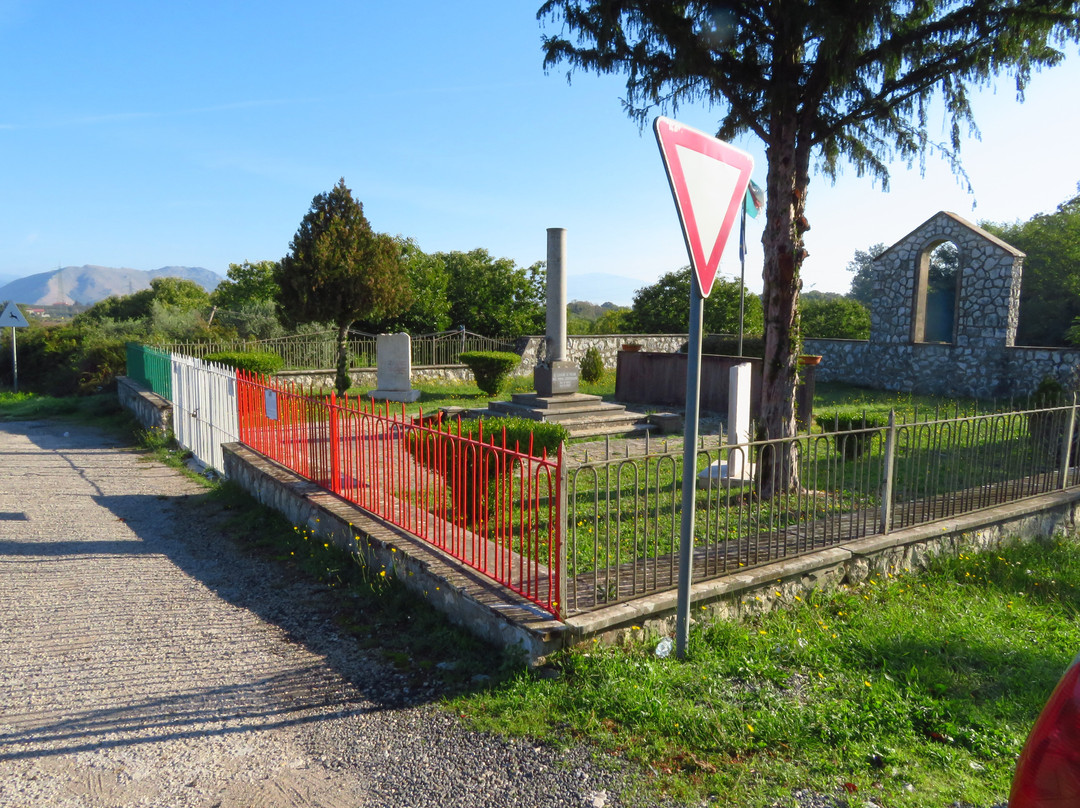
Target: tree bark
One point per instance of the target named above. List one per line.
(782, 242)
(342, 381)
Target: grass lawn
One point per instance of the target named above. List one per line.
(916, 690)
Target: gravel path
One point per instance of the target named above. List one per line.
(144, 661)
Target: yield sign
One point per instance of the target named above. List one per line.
(13, 317)
(708, 180)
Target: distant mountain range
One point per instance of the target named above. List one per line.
(89, 284)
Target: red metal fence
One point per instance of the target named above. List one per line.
(493, 506)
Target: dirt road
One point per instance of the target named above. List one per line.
(144, 661)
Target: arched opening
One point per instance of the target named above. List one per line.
(937, 281)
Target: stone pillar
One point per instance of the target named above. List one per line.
(556, 294)
(556, 375)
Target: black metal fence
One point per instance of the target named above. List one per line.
(623, 512)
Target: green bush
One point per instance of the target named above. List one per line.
(490, 368)
(64, 360)
(592, 365)
(263, 363)
(1047, 429)
(835, 318)
(850, 439)
(470, 474)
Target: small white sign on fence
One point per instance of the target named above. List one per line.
(270, 397)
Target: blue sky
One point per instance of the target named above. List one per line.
(150, 134)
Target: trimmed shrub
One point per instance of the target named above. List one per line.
(592, 366)
(1047, 429)
(491, 369)
(854, 433)
(263, 363)
(471, 473)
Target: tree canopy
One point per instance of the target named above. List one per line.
(339, 270)
(1050, 288)
(664, 307)
(834, 318)
(246, 283)
(493, 296)
(862, 268)
(816, 80)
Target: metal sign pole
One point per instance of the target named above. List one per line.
(14, 364)
(689, 472)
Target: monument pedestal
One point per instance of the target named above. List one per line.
(555, 378)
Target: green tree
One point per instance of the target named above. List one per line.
(834, 318)
(339, 270)
(1050, 289)
(430, 307)
(175, 295)
(494, 297)
(664, 307)
(613, 321)
(830, 80)
(246, 283)
(862, 269)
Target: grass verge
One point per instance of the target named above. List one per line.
(916, 690)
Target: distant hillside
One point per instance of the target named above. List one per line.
(89, 284)
(603, 287)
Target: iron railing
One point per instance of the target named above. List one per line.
(492, 506)
(150, 367)
(319, 351)
(623, 512)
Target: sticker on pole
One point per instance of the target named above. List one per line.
(13, 317)
(708, 180)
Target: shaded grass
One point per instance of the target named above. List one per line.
(914, 690)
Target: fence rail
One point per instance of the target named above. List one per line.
(492, 506)
(319, 351)
(623, 513)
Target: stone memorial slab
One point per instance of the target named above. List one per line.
(556, 378)
(736, 470)
(393, 356)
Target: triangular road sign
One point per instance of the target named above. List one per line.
(12, 317)
(708, 180)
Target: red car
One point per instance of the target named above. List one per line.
(1048, 771)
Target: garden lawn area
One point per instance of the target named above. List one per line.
(913, 690)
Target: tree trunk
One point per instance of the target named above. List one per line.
(342, 381)
(782, 242)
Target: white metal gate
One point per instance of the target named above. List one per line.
(204, 407)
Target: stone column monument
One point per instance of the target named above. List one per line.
(555, 375)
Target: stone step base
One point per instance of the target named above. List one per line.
(583, 415)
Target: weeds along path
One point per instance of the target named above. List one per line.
(144, 660)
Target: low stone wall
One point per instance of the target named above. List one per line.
(501, 617)
(607, 344)
(467, 598)
(149, 409)
(783, 583)
(943, 369)
(367, 377)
